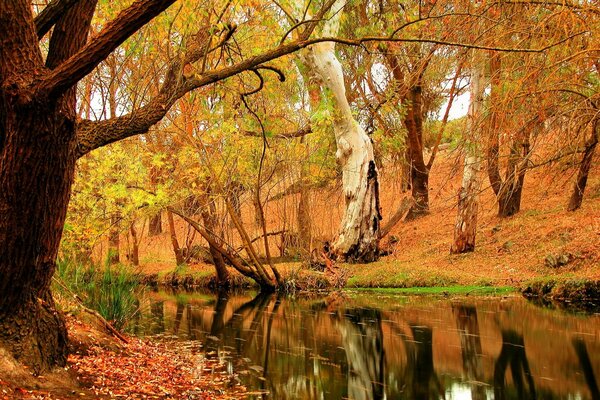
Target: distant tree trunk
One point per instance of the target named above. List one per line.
(419, 172)
(114, 240)
(493, 150)
(234, 194)
(257, 210)
(358, 238)
(465, 229)
(155, 225)
(303, 214)
(176, 249)
(135, 245)
(508, 191)
(209, 218)
(584, 168)
(509, 198)
(412, 100)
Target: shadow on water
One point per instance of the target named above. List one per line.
(386, 347)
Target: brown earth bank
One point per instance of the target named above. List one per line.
(102, 366)
(543, 242)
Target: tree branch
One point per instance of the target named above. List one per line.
(92, 135)
(116, 32)
(288, 135)
(50, 15)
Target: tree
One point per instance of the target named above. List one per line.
(465, 229)
(358, 238)
(41, 139)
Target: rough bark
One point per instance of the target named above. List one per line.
(358, 238)
(51, 14)
(37, 160)
(465, 229)
(209, 218)
(584, 169)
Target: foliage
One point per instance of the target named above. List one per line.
(112, 290)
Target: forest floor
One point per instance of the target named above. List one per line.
(102, 366)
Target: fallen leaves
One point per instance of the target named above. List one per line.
(149, 369)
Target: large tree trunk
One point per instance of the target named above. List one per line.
(37, 162)
(584, 169)
(358, 239)
(509, 197)
(465, 229)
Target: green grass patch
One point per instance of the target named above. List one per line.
(110, 290)
(445, 290)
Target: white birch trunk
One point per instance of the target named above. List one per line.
(359, 230)
(466, 222)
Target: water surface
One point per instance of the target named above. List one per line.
(369, 345)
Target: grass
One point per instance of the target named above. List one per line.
(112, 290)
(445, 290)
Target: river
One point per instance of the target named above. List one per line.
(376, 345)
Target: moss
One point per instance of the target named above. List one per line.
(581, 292)
(446, 290)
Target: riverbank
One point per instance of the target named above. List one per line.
(103, 366)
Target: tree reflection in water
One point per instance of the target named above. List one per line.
(586, 367)
(513, 355)
(470, 344)
(362, 339)
(424, 384)
(337, 348)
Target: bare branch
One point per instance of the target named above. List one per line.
(289, 135)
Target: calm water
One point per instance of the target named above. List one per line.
(380, 346)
